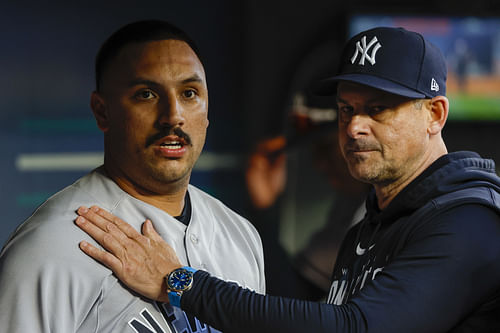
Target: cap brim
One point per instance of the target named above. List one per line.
(329, 86)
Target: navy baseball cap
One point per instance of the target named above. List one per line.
(394, 60)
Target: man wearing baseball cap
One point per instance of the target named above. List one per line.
(426, 256)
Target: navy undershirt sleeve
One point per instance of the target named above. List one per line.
(230, 308)
(448, 271)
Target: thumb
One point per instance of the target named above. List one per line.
(149, 231)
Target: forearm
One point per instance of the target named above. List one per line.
(230, 308)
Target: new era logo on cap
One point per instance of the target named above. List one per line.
(395, 60)
(434, 85)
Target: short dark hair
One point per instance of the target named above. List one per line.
(137, 32)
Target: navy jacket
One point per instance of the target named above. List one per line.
(429, 262)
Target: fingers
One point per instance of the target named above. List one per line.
(103, 257)
(157, 241)
(113, 233)
(139, 265)
(112, 239)
(102, 218)
(122, 225)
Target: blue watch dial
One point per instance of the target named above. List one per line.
(180, 279)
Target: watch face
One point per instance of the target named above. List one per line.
(180, 280)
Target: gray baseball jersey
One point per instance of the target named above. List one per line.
(48, 285)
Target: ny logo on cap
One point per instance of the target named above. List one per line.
(363, 49)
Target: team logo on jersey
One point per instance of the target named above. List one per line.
(347, 282)
(177, 321)
(434, 85)
(362, 48)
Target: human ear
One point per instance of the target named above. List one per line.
(438, 109)
(99, 109)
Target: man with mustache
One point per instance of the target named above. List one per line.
(151, 103)
(426, 256)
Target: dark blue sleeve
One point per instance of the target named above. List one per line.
(230, 308)
(448, 270)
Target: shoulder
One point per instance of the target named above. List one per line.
(48, 240)
(468, 234)
(459, 211)
(43, 270)
(470, 222)
(466, 217)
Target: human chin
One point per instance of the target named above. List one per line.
(171, 172)
(361, 169)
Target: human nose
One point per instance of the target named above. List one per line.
(171, 113)
(357, 126)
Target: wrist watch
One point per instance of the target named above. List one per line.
(179, 281)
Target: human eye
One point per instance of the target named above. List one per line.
(189, 93)
(376, 110)
(145, 94)
(345, 110)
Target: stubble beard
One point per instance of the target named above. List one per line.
(170, 171)
(371, 171)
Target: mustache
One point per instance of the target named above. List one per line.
(360, 145)
(166, 131)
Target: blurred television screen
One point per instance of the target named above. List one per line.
(471, 46)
